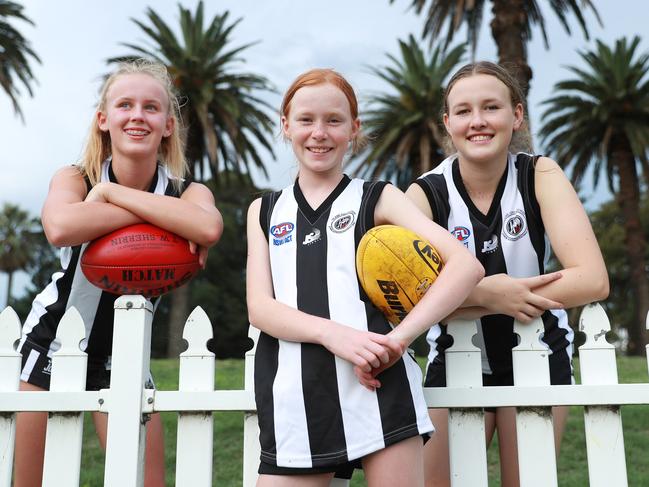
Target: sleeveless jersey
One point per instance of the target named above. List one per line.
(69, 287)
(509, 239)
(313, 412)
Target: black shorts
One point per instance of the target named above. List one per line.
(560, 374)
(342, 471)
(36, 369)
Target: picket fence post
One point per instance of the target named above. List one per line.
(9, 380)
(64, 437)
(251, 446)
(466, 426)
(130, 370)
(195, 429)
(603, 424)
(537, 464)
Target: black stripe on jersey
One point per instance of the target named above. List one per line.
(100, 341)
(311, 214)
(268, 201)
(396, 406)
(554, 336)
(372, 192)
(526, 166)
(434, 187)
(319, 380)
(497, 330)
(48, 323)
(265, 371)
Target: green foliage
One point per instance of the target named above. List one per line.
(226, 122)
(15, 54)
(608, 225)
(607, 99)
(220, 289)
(455, 13)
(20, 241)
(404, 127)
(43, 263)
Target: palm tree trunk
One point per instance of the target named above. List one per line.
(628, 199)
(10, 276)
(508, 30)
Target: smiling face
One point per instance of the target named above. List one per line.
(320, 126)
(480, 118)
(136, 115)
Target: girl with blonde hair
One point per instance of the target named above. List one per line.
(131, 172)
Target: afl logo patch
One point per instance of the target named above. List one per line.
(282, 233)
(343, 222)
(515, 225)
(462, 234)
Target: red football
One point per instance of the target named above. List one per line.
(139, 259)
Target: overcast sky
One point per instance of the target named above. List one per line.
(73, 38)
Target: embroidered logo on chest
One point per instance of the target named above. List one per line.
(490, 245)
(342, 222)
(311, 238)
(515, 225)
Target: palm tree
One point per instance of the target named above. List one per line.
(599, 120)
(226, 122)
(18, 234)
(511, 25)
(15, 52)
(404, 127)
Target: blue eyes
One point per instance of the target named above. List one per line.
(128, 105)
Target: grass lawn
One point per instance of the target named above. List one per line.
(228, 434)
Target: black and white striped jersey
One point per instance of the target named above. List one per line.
(509, 239)
(69, 287)
(312, 410)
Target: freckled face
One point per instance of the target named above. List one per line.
(480, 118)
(136, 115)
(320, 126)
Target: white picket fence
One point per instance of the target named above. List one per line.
(127, 403)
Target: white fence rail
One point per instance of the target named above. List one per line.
(128, 403)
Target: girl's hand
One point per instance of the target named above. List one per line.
(368, 378)
(202, 253)
(503, 294)
(98, 193)
(365, 350)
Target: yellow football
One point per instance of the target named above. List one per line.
(396, 267)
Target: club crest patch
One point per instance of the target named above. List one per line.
(342, 222)
(515, 225)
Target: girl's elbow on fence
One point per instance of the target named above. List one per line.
(602, 289)
(478, 271)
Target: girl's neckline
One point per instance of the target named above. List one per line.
(494, 206)
(113, 179)
(314, 214)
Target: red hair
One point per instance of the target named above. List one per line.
(320, 76)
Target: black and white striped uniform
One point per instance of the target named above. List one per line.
(509, 239)
(313, 412)
(68, 288)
